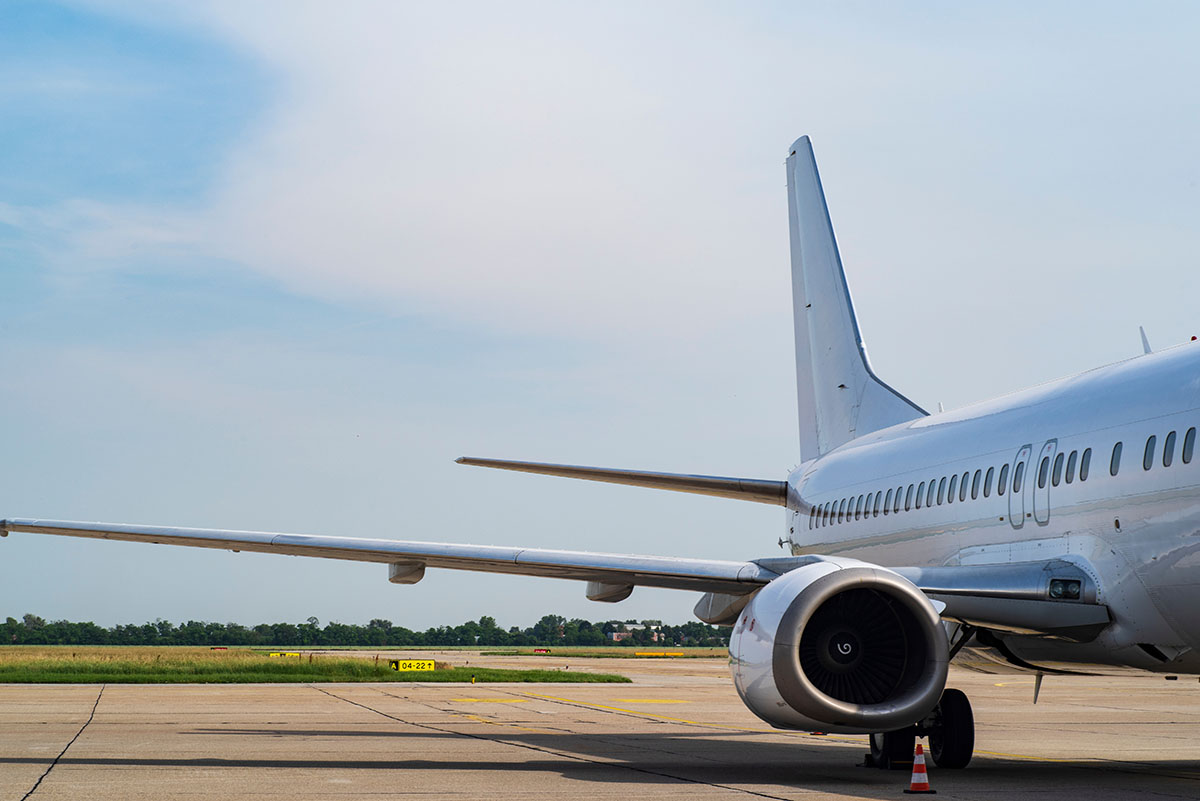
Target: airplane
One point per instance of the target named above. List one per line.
(1055, 525)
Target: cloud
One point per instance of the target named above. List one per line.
(615, 173)
(81, 236)
(539, 168)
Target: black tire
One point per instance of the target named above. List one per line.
(893, 749)
(952, 740)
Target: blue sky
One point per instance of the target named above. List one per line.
(273, 266)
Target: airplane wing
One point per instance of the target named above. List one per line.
(1016, 598)
(409, 559)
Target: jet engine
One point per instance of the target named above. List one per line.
(840, 645)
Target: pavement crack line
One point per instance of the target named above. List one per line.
(62, 753)
(547, 751)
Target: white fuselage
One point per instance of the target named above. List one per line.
(1137, 532)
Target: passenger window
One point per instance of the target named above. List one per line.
(867, 505)
(1148, 456)
(1056, 476)
(1169, 449)
(1114, 466)
(1189, 445)
(1043, 471)
(875, 512)
(941, 490)
(1085, 462)
(842, 511)
(1074, 457)
(962, 486)
(932, 492)
(896, 505)
(1018, 475)
(951, 488)
(858, 508)
(975, 484)
(987, 481)
(908, 498)
(1002, 481)
(920, 494)
(812, 518)
(887, 503)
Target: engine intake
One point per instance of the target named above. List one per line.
(840, 645)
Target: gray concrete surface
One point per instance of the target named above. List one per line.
(678, 732)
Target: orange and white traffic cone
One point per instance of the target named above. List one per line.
(920, 779)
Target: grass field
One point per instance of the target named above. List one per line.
(618, 652)
(171, 665)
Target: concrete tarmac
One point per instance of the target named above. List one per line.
(679, 731)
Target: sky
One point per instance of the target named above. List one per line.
(276, 265)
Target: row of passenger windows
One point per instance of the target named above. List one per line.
(945, 490)
(1065, 467)
(1168, 452)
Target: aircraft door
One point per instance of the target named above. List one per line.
(1017, 483)
(1039, 482)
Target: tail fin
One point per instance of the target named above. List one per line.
(839, 396)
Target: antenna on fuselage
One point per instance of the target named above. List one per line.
(1145, 342)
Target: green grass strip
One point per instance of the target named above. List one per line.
(118, 673)
(92, 665)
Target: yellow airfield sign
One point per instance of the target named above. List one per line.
(411, 664)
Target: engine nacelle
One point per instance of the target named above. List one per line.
(840, 645)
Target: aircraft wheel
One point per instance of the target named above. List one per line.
(952, 737)
(893, 748)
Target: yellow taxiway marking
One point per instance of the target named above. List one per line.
(649, 701)
(1027, 757)
(489, 700)
(479, 719)
(1092, 760)
(723, 726)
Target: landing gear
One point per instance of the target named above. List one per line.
(893, 749)
(951, 731)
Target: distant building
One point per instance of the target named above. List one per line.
(631, 626)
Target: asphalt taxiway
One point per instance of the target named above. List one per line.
(678, 731)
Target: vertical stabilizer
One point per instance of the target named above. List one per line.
(839, 396)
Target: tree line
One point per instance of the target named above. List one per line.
(550, 630)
